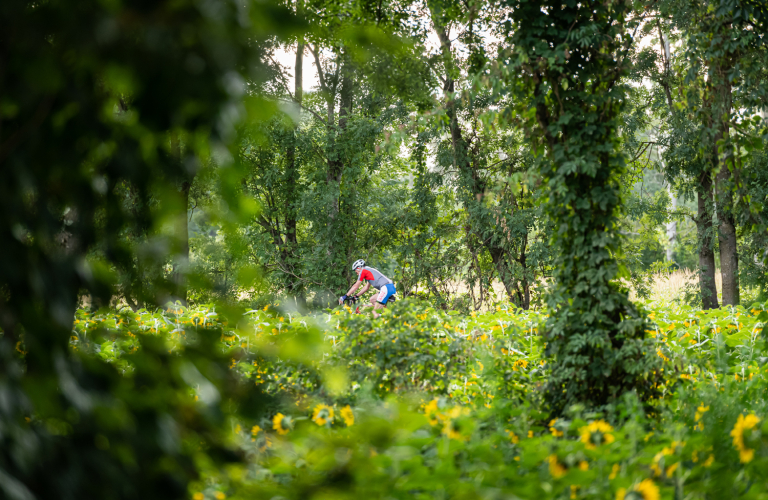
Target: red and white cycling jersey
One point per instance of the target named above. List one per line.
(375, 277)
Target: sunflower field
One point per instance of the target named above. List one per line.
(424, 403)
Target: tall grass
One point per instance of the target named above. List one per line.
(666, 286)
(670, 285)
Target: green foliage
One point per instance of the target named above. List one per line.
(154, 153)
(753, 270)
(400, 356)
(424, 402)
(709, 87)
(107, 109)
(126, 412)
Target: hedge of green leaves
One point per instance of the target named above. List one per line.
(425, 403)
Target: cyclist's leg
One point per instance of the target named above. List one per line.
(382, 298)
(378, 306)
(371, 301)
(364, 304)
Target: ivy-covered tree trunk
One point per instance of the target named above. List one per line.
(566, 61)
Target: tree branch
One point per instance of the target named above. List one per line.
(283, 79)
(666, 61)
(645, 146)
(312, 111)
(626, 53)
(316, 54)
(286, 271)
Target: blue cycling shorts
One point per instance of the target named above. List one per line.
(385, 292)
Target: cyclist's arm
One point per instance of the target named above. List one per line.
(355, 287)
(366, 287)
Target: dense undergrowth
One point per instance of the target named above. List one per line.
(425, 403)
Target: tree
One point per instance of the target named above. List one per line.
(682, 162)
(565, 62)
(717, 81)
(500, 227)
(321, 167)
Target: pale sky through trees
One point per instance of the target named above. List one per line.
(286, 56)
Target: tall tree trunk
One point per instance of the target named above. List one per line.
(181, 259)
(525, 283)
(295, 287)
(334, 253)
(729, 256)
(498, 257)
(181, 267)
(705, 201)
(671, 228)
(724, 173)
(706, 242)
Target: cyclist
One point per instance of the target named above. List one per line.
(372, 276)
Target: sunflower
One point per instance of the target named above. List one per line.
(658, 466)
(323, 414)
(646, 490)
(672, 468)
(595, 434)
(513, 437)
(557, 469)
(701, 410)
(348, 415)
(457, 411)
(575, 491)
(614, 471)
(255, 432)
(520, 363)
(744, 424)
(452, 429)
(282, 424)
(554, 430)
(264, 443)
(431, 411)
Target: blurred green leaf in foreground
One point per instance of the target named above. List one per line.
(107, 110)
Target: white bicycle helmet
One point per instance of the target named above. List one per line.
(358, 263)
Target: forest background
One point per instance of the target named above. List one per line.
(401, 153)
(160, 152)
